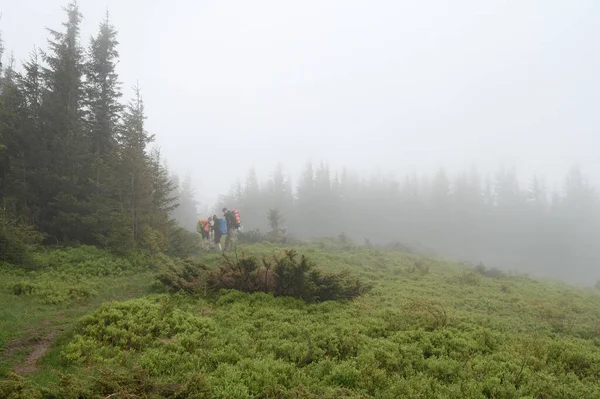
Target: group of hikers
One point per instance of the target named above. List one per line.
(213, 228)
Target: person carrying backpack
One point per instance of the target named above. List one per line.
(233, 223)
(219, 228)
(203, 228)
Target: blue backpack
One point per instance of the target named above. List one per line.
(223, 226)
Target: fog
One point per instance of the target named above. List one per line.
(378, 87)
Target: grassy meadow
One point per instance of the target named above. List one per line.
(88, 324)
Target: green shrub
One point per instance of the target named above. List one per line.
(283, 276)
(115, 382)
(54, 292)
(23, 288)
(492, 272)
(14, 387)
(183, 243)
(154, 241)
(345, 241)
(419, 266)
(422, 267)
(250, 237)
(187, 276)
(468, 277)
(69, 274)
(84, 261)
(434, 311)
(17, 240)
(287, 276)
(137, 325)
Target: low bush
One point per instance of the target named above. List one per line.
(468, 277)
(183, 243)
(420, 266)
(53, 292)
(69, 274)
(345, 241)
(251, 237)
(23, 288)
(14, 386)
(397, 246)
(491, 272)
(84, 261)
(434, 311)
(136, 325)
(184, 275)
(288, 275)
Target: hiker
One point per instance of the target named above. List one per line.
(219, 228)
(199, 227)
(203, 227)
(211, 232)
(232, 220)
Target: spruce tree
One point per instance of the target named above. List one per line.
(238, 194)
(135, 184)
(254, 209)
(11, 121)
(102, 117)
(164, 201)
(16, 184)
(537, 193)
(279, 194)
(103, 93)
(186, 213)
(34, 151)
(306, 198)
(62, 116)
(324, 203)
(440, 190)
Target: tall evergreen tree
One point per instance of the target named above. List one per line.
(186, 213)
(305, 193)
(103, 95)
(34, 153)
(11, 128)
(62, 120)
(163, 202)
(253, 205)
(102, 113)
(325, 206)
(236, 197)
(135, 168)
(537, 193)
(279, 190)
(508, 193)
(440, 189)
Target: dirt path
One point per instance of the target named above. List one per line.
(38, 349)
(35, 342)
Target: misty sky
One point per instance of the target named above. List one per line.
(389, 85)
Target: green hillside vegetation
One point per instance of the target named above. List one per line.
(426, 328)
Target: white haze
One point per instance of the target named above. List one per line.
(396, 86)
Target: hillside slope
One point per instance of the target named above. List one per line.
(429, 328)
